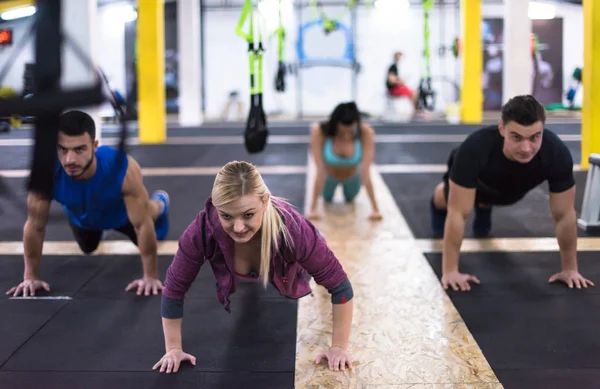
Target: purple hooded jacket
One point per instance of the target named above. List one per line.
(205, 241)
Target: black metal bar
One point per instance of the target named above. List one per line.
(47, 74)
(50, 101)
(202, 56)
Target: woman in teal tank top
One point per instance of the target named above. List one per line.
(343, 149)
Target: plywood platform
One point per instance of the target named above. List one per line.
(406, 332)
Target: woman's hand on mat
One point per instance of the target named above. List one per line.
(171, 361)
(375, 215)
(458, 280)
(337, 357)
(313, 215)
(572, 278)
(145, 285)
(28, 288)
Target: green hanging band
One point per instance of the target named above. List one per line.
(330, 24)
(427, 5)
(280, 32)
(259, 56)
(254, 55)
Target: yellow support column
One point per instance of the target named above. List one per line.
(9, 5)
(472, 61)
(150, 48)
(590, 110)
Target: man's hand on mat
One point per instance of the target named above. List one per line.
(458, 280)
(572, 278)
(172, 359)
(145, 285)
(28, 288)
(337, 357)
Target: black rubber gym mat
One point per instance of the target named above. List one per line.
(529, 330)
(548, 378)
(184, 379)
(126, 335)
(119, 271)
(65, 274)
(528, 218)
(302, 128)
(432, 153)
(520, 275)
(187, 193)
(19, 157)
(20, 321)
(22, 318)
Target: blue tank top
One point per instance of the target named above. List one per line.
(330, 158)
(97, 203)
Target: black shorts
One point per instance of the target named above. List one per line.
(88, 240)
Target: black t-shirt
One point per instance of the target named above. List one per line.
(480, 163)
(393, 69)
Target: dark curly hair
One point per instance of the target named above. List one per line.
(345, 113)
(75, 123)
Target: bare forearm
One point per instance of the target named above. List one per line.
(370, 192)
(172, 331)
(453, 235)
(33, 243)
(147, 244)
(566, 235)
(342, 323)
(317, 189)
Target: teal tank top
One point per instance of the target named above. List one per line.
(330, 158)
(97, 203)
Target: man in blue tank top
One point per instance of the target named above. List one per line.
(99, 189)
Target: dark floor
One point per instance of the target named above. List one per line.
(533, 334)
(294, 129)
(528, 218)
(192, 155)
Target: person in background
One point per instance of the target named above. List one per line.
(396, 86)
(343, 149)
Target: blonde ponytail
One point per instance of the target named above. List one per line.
(272, 227)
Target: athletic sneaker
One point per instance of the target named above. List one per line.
(161, 225)
(438, 219)
(482, 223)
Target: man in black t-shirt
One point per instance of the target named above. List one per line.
(499, 165)
(395, 85)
